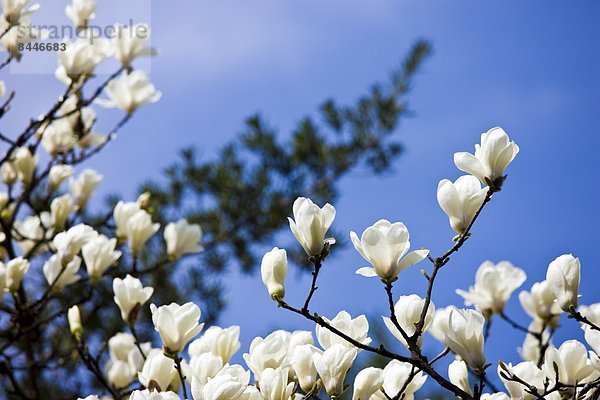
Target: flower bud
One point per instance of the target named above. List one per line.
(182, 238)
(408, 311)
(24, 163)
(563, 277)
(333, 365)
(461, 200)
(15, 270)
(60, 210)
(458, 373)
(273, 270)
(74, 318)
(84, 186)
(139, 229)
(304, 365)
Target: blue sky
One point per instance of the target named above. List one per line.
(532, 67)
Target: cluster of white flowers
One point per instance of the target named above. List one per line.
(53, 237)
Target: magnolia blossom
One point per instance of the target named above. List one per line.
(357, 328)
(74, 318)
(81, 12)
(58, 137)
(176, 324)
(493, 286)
(130, 295)
(464, 336)
(333, 365)
(70, 242)
(24, 164)
(539, 303)
(130, 43)
(461, 200)
(8, 172)
(491, 157)
(158, 371)
(83, 187)
(15, 270)
(304, 366)
(395, 376)
(60, 210)
(33, 232)
(273, 270)
(571, 360)
(310, 224)
(367, 382)
(182, 238)
(58, 276)
(229, 384)
(13, 37)
(14, 10)
(528, 372)
(563, 277)
(99, 254)
(591, 312)
(385, 246)
(58, 173)
(122, 212)
(274, 384)
(221, 342)
(408, 311)
(80, 58)
(205, 366)
(129, 92)
(139, 229)
(530, 350)
(458, 373)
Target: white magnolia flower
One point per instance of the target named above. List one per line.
(129, 92)
(130, 43)
(80, 58)
(357, 328)
(121, 214)
(496, 396)
(74, 318)
(563, 277)
(304, 365)
(158, 371)
(592, 337)
(15, 270)
(130, 295)
(528, 372)
(118, 373)
(176, 324)
(58, 174)
(139, 229)
(571, 360)
(310, 224)
(333, 365)
(539, 303)
(14, 36)
(458, 373)
(151, 395)
(58, 137)
(58, 276)
(182, 238)
(273, 270)
(24, 164)
(408, 311)
(395, 375)
(122, 347)
(270, 352)
(493, 286)
(99, 254)
(80, 12)
(70, 242)
(461, 200)
(491, 157)
(61, 209)
(229, 384)
(83, 187)
(367, 382)
(32, 232)
(464, 336)
(14, 10)
(385, 246)
(221, 342)
(274, 384)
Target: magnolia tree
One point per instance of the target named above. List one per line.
(54, 265)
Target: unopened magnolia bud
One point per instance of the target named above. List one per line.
(144, 200)
(74, 318)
